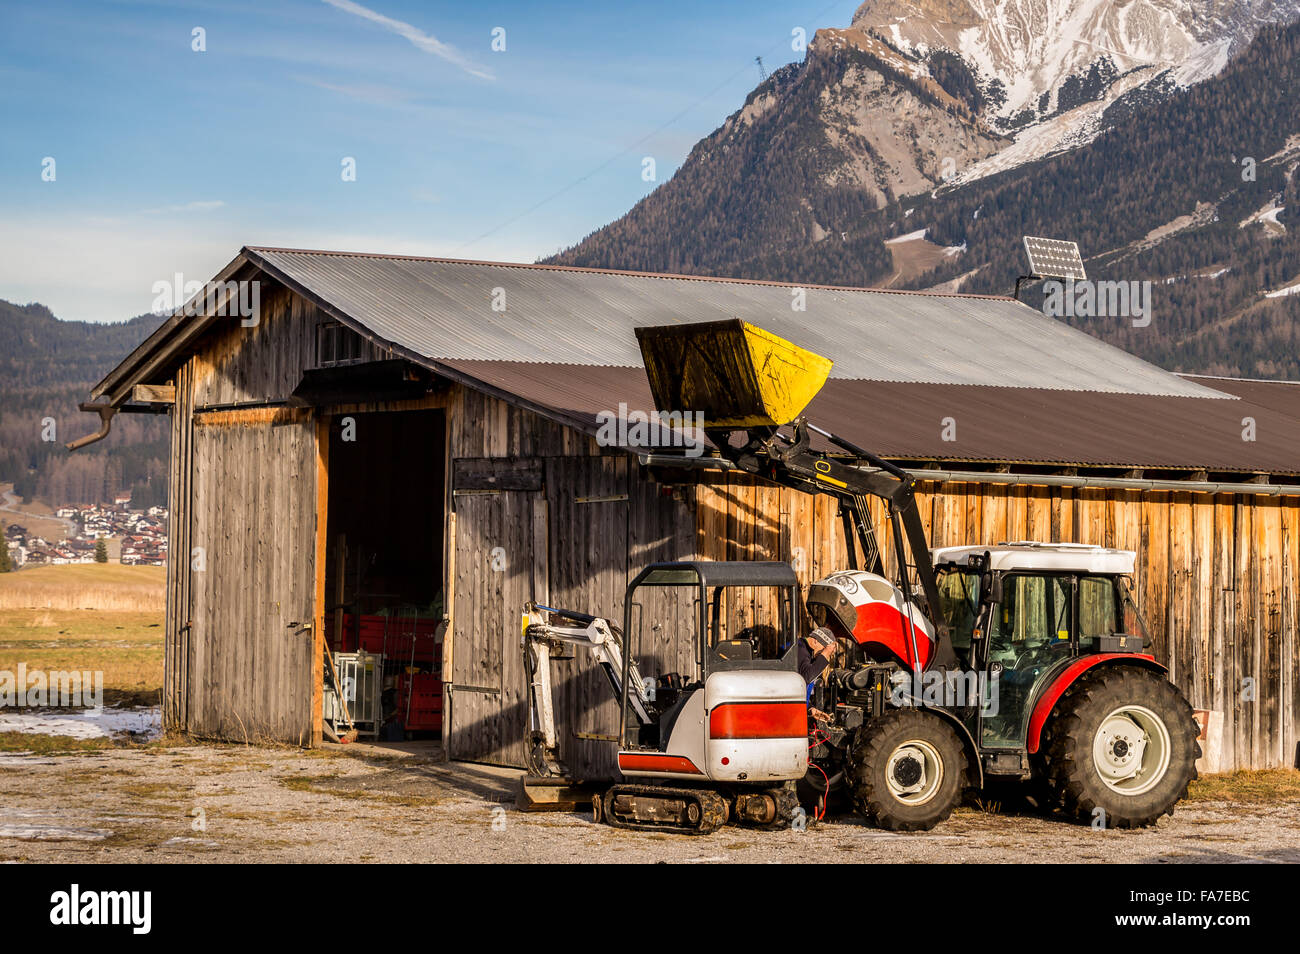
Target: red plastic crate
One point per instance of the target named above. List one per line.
(420, 701)
(391, 635)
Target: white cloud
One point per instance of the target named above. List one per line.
(419, 39)
(200, 206)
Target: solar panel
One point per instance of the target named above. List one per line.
(1054, 258)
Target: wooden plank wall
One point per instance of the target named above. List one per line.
(262, 362)
(240, 634)
(177, 625)
(491, 588)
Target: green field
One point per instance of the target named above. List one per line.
(99, 617)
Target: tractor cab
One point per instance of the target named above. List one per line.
(1020, 614)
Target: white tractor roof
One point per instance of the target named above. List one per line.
(1027, 555)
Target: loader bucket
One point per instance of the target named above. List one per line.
(733, 373)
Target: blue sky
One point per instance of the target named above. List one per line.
(168, 159)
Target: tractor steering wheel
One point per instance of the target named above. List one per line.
(1047, 651)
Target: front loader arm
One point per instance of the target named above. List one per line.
(791, 462)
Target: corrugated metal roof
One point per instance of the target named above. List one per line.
(441, 309)
(993, 424)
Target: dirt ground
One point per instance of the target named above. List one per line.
(248, 804)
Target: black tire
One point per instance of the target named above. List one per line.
(873, 753)
(1082, 723)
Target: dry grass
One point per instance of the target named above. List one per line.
(50, 744)
(85, 586)
(1266, 785)
(101, 617)
(127, 647)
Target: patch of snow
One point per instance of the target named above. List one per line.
(196, 842)
(143, 721)
(952, 251)
(1284, 292)
(1182, 278)
(909, 237)
(52, 833)
(1265, 216)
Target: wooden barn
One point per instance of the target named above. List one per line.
(403, 439)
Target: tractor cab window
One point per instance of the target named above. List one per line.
(1030, 631)
(1098, 607)
(959, 601)
(1035, 611)
(1130, 617)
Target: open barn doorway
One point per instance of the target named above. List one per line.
(385, 609)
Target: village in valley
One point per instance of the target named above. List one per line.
(129, 536)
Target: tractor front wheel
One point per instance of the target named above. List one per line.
(906, 770)
(1121, 747)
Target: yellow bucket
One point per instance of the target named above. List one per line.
(734, 373)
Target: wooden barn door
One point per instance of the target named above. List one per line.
(500, 564)
(588, 502)
(252, 575)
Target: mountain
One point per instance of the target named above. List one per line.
(814, 148)
(47, 366)
(1191, 187)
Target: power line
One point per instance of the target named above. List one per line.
(619, 155)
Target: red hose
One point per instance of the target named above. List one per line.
(820, 813)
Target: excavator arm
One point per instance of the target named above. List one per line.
(547, 631)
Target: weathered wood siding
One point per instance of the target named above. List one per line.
(177, 624)
(262, 362)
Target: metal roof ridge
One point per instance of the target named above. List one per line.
(1228, 377)
(584, 269)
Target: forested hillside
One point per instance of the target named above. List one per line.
(47, 367)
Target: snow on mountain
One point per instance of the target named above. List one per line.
(1025, 52)
(1047, 71)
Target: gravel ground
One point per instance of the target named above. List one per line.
(249, 804)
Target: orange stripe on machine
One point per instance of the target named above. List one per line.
(759, 720)
(650, 762)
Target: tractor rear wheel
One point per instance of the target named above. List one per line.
(906, 770)
(1121, 747)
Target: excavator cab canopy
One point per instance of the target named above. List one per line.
(762, 594)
